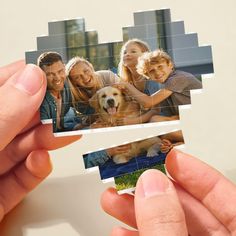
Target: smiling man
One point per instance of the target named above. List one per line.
(57, 100)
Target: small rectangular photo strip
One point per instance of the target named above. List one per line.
(92, 86)
(127, 159)
(127, 183)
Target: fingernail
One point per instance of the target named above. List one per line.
(175, 153)
(154, 183)
(29, 80)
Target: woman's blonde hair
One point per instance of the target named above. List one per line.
(78, 93)
(151, 58)
(123, 70)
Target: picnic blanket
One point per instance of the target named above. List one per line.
(111, 169)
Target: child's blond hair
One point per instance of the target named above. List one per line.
(123, 70)
(151, 58)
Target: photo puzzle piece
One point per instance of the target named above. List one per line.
(100, 87)
(131, 159)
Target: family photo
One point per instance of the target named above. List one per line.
(126, 162)
(148, 89)
(142, 79)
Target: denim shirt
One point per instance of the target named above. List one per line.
(48, 108)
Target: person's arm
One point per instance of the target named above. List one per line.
(145, 100)
(100, 157)
(96, 158)
(118, 150)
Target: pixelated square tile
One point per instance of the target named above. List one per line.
(193, 56)
(174, 28)
(126, 183)
(73, 40)
(66, 26)
(152, 16)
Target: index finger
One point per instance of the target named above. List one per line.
(9, 70)
(124, 148)
(165, 141)
(206, 184)
(125, 145)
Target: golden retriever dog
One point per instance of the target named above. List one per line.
(111, 105)
(150, 147)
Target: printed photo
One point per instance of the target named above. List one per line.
(135, 156)
(126, 183)
(142, 79)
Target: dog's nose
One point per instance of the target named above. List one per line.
(111, 102)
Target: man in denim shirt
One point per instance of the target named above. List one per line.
(57, 100)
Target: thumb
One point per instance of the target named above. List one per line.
(157, 207)
(20, 97)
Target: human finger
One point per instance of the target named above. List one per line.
(199, 219)
(21, 93)
(123, 148)
(7, 71)
(206, 184)
(128, 145)
(157, 207)
(165, 149)
(120, 231)
(118, 150)
(25, 177)
(41, 137)
(118, 85)
(35, 121)
(119, 206)
(166, 142)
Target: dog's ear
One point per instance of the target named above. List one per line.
(121, 89)
(93, 101)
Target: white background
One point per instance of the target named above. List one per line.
(68, 202)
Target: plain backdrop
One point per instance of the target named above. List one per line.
(68, 202)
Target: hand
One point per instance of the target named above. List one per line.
(24, 163)
(118, 150)
(128, 121)
(121, 86)
(166, 145)
(199, 201)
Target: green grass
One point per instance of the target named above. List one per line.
(129, 180)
